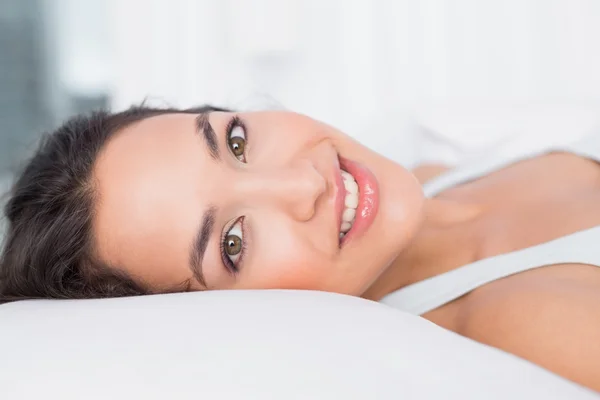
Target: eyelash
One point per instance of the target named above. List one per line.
(233, 122)
(236, 122)
(230, 265)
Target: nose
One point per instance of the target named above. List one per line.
(296, 188)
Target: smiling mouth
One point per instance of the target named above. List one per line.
(350, 203)
(357, 202)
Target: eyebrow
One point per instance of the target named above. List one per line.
(200, 244)
(205, 129)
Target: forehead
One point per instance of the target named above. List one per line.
(148, 203)
(150, 134)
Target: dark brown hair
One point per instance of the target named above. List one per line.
(48, 249)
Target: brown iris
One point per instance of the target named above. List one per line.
(237, 145)
(233, 245)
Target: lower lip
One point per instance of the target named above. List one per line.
(368, 199)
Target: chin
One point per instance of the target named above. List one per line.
(402, 205)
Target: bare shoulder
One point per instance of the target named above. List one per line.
(426, 172)
(552, 322)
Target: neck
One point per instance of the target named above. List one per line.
(443, 241)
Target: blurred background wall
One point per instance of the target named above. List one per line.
(361, 65)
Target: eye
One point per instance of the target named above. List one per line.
(232, 246)
(236, 139)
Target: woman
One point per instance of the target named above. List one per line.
(154, 201)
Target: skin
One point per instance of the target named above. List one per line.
(156, 178)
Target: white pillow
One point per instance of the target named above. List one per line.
(251, 345)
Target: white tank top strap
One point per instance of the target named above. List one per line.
(429, 294)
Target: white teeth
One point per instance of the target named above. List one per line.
(349, 214)
(350, 201)
(345, 227)
(351, 186)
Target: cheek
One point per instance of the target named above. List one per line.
(286, 259)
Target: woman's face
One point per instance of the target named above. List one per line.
(250, 201)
